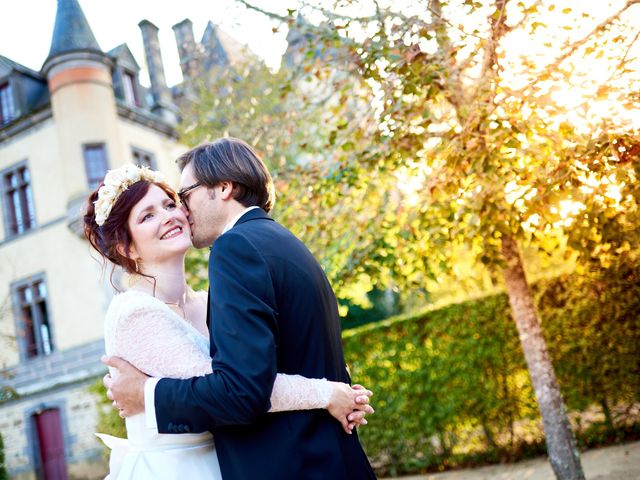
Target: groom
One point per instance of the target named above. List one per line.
(271, 310)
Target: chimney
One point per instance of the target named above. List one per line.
(162, 100)
(187, 49)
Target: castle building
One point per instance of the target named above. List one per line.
(61, 129)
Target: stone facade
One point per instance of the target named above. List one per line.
(60, 129)
(53, 292)
(83, 451)
(59, 381)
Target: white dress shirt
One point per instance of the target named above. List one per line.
(150, 384)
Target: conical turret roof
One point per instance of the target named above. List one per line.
(71, 31)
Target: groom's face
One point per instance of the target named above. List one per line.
(204, 209)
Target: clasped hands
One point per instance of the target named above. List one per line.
(348, 404)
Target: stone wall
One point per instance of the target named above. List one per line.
(60, 380)
(79, 415)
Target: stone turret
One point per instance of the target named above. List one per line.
(163, 105)
(83, 103)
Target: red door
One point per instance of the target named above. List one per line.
(51, 444)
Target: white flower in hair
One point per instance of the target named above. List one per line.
(131, 173)
(117, 181)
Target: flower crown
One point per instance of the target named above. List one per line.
(117, 181)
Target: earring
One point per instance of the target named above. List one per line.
(137, 266)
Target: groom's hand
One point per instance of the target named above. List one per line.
(127, 388)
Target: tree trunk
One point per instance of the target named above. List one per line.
(561, 445)
(608, 418)
(488, 434)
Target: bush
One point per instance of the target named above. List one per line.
(451, 385)
(592, 326)
(4, 475)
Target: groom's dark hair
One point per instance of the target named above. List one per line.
(232, 160)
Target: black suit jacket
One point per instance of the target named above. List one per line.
(272, 310)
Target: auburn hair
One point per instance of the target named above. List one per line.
(113, 239)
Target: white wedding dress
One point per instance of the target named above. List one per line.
(148, 334)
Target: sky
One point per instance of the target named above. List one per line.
(26, 27)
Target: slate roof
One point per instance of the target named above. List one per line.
(71, 31)
(7, 65)
(123, 56)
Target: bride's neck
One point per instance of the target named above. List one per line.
(166, 281)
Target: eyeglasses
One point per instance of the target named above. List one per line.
(183, 194)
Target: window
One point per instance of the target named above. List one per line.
(95, 163)
(33, 317)
(142, 158)
(7, 107)
(19, 200)
(130, 89)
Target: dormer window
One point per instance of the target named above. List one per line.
(130, 89)
(7, 107)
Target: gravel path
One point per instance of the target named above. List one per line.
(620, 462)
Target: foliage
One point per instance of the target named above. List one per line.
(592, 326)
(449, 138)
(284, 114)
(109, 421)
(290, 117)
(4, 475)
(196, 267)
(480, 145)
(7, 393)
(240, 101)
(472, 141)
(380, 304)
(451, 386)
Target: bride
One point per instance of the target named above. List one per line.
(134, 220)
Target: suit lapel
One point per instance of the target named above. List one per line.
(212, 346)
(208, 309)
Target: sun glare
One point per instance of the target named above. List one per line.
(411, 182)
(584, 89)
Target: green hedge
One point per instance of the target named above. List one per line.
(451, 385)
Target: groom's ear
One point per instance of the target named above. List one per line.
(226, 190)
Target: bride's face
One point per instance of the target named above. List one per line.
(159, 228)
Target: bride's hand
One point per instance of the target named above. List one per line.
(349, 405)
